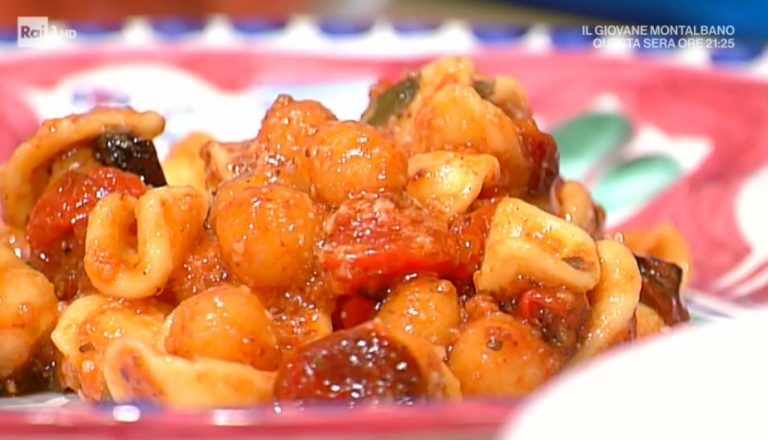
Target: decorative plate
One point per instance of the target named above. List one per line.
(659, 136)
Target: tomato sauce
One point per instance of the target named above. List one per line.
(58, 221)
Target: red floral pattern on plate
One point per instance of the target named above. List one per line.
(725, 108)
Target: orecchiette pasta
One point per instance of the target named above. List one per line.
(456, 118)
(508, 95)
(575, 205)
(65, 335)
(134, 371)
(449, 70)
(441, 382)
(219, 158)
(91, 324)
(526, 246)
(79, 158)
(449, 182)
(167, 222)
(663, 241)
(613, 300)
(185, 166)
(23, 177)
(648, 321)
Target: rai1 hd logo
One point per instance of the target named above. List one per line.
(37, 32)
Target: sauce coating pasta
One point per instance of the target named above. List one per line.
(430, 250)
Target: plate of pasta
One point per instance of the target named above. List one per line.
(419, 261)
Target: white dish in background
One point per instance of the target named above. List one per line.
(702, 382)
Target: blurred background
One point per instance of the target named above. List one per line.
(745, 15)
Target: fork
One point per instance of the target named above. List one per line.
(751, 272)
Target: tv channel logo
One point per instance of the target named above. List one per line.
(36, 31)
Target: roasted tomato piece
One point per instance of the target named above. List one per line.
(661, 289)
(541, 150)
(471, 231)
(559, 315)
(56, 227)
(353, 310)
(373, 240)
(299, 315)
(66, 203)
(360, 365)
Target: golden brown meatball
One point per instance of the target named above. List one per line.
(349, 158)
(288, 123)
(229, 188)
(426, 307)
(267, 235)
(27, 313)
(227, 323)
(284, 130)
(498, 355)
